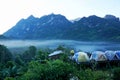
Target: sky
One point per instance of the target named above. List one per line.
(11, 11)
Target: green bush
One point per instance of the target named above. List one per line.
(41, 55)
(5, 54)
(116, 73)
(89, 74)
(102, 75)
(52, 70)
(29, 54)
(9, 78)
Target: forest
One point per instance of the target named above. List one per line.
(35, 64)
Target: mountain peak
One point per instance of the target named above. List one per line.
(52, 14)
(111, 17)
(93, 16)
(55, 15)
(54, 19)
(31, 17)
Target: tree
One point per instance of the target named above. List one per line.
(29, 54)
(52, 70)
(41, 55)
(32, 51)
(116, 73)
(5, 54)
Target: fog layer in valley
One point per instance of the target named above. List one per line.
(77, 45)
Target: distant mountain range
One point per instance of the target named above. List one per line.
(3, 37)
(56, 26)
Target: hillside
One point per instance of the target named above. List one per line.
(3, 37)
(95, 28)
(56, 26)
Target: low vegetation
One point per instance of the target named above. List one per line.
(35, 64)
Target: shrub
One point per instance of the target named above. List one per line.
(9, 78)
(116, 73)
(89, 74)
(5, 54)
(52, 70)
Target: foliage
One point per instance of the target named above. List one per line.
(32, 50)
(29, 54)
(10, 70)
(60, 47)
(18, 60)
(41, 55)
(40, 67)
(5, 54)
(116, 73)
(9, 78)
(88, 74)
(56, 70)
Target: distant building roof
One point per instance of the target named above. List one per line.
(55, 53)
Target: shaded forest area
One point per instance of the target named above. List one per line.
(35, 64)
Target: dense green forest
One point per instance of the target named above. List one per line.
(34, 64)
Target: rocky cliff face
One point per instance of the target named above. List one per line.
(58, 27)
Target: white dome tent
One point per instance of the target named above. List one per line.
(98, 56)
(111, 55)
(118, 54)
(81, 57)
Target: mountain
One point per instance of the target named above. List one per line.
(46, 27)
(94, 28)
(2, 37)
(74, 20)
(111, 17)
(56, 26)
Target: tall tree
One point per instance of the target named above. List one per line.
(5, 54)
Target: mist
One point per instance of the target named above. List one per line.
(52, 44)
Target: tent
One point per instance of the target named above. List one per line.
(75, 57)
(117, 54)
(98, 56)
(111, 55)
(81, 57)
